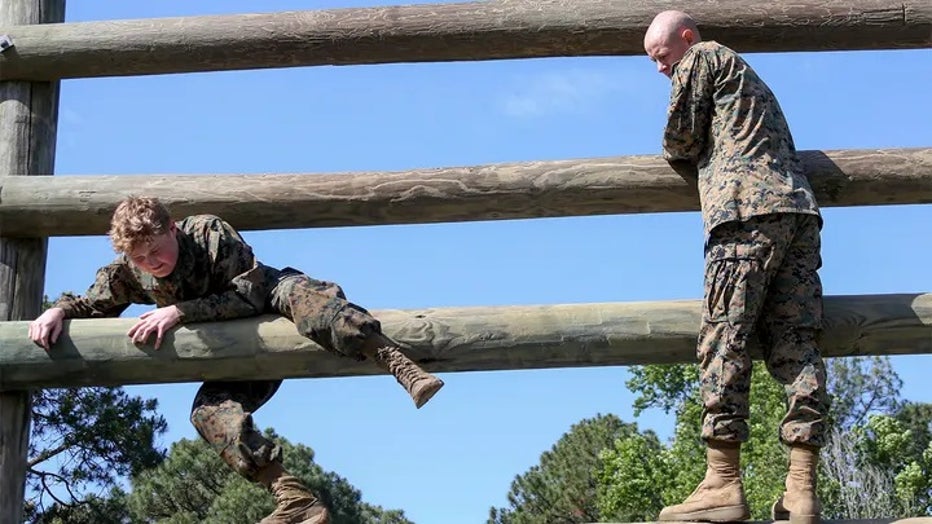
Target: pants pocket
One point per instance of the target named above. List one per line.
(734, 286)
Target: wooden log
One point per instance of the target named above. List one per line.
(98, 352)
(28, 118)
(445, 32)
(82, 205)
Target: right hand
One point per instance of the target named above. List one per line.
(44, 330)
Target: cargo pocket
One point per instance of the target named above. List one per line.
(734, 285)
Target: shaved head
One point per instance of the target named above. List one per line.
(668, 23)
(668, 37)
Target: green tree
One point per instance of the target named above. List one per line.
(881, 445)
(635, 474)
(873, 465)
(193, 485)
(890, 443)
(639, 478)
(83, 442)
(860, 387)
(917, 418)
(562, 488)
(854, 487)
(109, 508)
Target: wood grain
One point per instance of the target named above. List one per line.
(98, 352)
(82, 205)
(28, 117)
(445, 32)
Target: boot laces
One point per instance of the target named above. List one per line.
(398, 366)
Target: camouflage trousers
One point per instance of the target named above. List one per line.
(222, 411)
(761, 281)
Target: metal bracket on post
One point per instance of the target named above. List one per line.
(5, 42)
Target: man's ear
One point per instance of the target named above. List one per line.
(689, 36)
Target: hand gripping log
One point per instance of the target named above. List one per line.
(420, 384)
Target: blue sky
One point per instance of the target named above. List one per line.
(453, 459)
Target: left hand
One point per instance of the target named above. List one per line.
(157, 321)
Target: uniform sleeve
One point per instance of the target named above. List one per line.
(236, 276)
(690, 111)
(114, 289)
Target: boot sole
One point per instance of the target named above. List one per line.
(724, 514)
(796, 519)
(427, 392)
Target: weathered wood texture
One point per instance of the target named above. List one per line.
(82, 205)
(28, 116)
(443, 32)
(98, 352)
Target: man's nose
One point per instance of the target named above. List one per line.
(661, 67)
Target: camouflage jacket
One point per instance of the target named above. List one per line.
(216, 278)
(726, 122)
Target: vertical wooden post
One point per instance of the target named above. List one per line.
(28, 122)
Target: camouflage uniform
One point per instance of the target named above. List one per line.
(762, 225)
(217, 277)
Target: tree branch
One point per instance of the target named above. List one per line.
(47, 454)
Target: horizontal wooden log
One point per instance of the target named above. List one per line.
(98, 352)
(82, 205)
(444, 32)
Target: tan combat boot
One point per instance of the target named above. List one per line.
(420, 384)
(799, 503)
(295, 503)
(720, 496)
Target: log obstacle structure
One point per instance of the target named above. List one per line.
(458, 31)
(97, 352)
(28, 125)
(82, 205)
